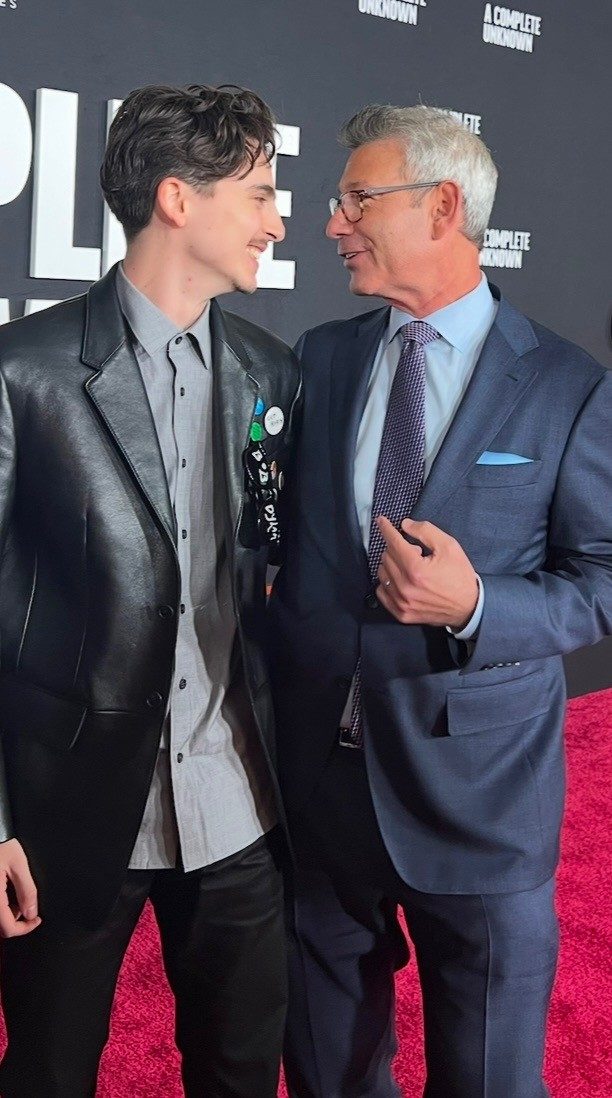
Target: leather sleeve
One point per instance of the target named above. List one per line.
(7, 491)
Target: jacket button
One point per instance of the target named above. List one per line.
(154, 700)
(371, 601)
(165, 611)
(343, 683)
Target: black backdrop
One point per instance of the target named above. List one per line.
(539, 95)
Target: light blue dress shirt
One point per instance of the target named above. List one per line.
(449, 364)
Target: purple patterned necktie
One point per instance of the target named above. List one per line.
(399, 473)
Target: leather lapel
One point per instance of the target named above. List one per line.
(235, 391)
(351, 367)
(118, 393)
(497, 384)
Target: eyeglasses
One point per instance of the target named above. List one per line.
(351, 202)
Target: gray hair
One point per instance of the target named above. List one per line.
(437, 147)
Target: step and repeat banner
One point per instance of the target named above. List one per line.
(535, 84)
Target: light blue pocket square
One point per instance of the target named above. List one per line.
(491, 458)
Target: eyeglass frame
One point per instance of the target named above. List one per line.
(335, 204)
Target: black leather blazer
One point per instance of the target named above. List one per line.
(89, 579)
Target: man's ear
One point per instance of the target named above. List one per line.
(170, 202)
(447, 209)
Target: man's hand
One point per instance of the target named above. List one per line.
(18, 916)
(439, 589)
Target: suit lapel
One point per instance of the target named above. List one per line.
(235, 391)
(118, 393)
(499, 381)
(351, 367)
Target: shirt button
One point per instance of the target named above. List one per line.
(182, 608)
(179, 339)
(183, 534)
(182, 390)
(183, 463)
(182, 684)
(179, 757)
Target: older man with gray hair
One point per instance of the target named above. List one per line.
(449, 540)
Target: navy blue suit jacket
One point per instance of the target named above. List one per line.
(463, 748)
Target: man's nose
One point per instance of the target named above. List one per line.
(338, 226)
(275, 227)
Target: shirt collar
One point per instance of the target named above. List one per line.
(151, 327)
(464, 323)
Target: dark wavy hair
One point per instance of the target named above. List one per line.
(199, 134)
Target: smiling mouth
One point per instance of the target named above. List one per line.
(349, 255)
(255, 252)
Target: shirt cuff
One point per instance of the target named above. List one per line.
(469, 631)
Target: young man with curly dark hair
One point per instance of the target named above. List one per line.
(143, 436)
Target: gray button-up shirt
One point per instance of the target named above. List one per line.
(210, 795)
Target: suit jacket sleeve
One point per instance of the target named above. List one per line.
(7, 491)
(568, 603)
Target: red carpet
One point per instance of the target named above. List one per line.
(140, 1060)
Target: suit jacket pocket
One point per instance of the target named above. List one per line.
(503, 476)
(33, 711)
(484, 708)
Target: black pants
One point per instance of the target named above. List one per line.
(486, 964)
(223, 944)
